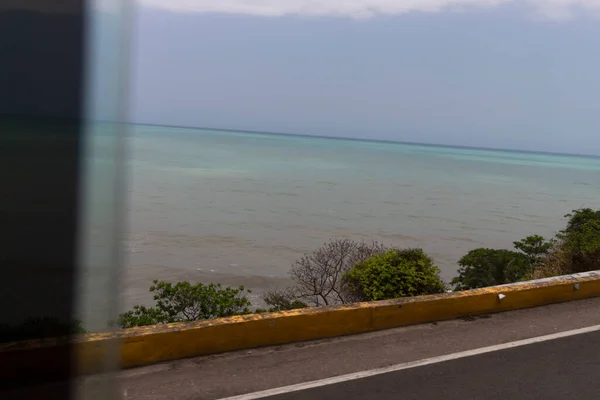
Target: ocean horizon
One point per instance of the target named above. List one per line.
(305, 135)
(240, 208)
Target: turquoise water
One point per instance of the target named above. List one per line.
(249, 204)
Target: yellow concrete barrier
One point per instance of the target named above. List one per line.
(153, 344)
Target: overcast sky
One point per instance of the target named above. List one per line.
(493, 73)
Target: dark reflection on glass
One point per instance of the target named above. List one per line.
(41, 124)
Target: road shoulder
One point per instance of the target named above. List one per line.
(219, 376)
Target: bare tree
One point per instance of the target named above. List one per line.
(318, 275)
(281, 299)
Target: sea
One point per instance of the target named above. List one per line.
(239, 208)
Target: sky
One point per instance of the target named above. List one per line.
(486, 73)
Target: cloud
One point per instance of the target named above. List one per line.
(550, 9)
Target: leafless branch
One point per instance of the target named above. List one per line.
(318, 275)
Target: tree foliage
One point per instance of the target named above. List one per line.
(535, 248)
(580, 240)
(184, 302)
(489, 267)
(317, 276)
(393, 274)
(578, 219)
(345, 271)
(574, 249)
(282, 300)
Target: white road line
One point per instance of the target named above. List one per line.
(408, 365)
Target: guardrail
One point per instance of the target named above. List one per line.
(153, 344)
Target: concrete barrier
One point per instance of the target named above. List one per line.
(153, 344)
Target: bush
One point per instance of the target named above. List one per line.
(282, 300)
(185, 302)
(535, 248)
(394, 274)
(490, 267)
(556, 263)
(580, 241)
(317, 276)
(575, 249)
(578, 219)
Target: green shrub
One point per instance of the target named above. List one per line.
(489, 267)
(580, 241)
(579, 218)
(575, 249)
(535, 248)
(394, 274)
(317, 276)
(185, 302)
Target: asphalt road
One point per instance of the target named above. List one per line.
(567, 368)
(233, 374)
